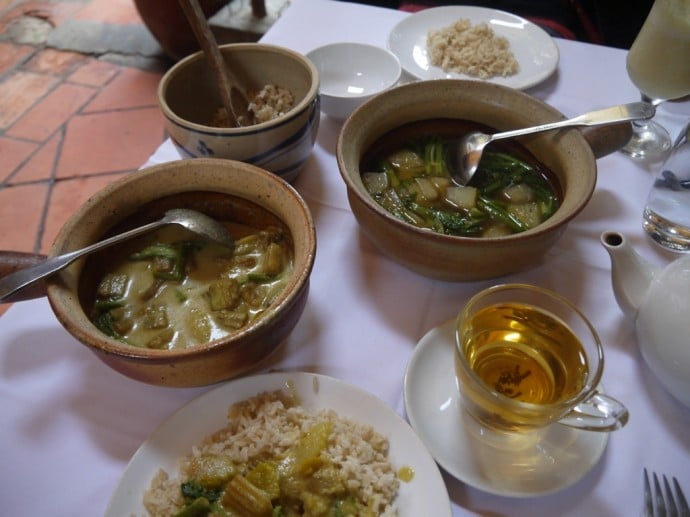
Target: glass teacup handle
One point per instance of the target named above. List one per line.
(599, 412)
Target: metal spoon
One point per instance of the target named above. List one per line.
(471, 146)
(12, 284)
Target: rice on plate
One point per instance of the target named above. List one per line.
(277, 458)
(472, 50)
(421, 488)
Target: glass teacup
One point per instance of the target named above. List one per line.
(526, 358)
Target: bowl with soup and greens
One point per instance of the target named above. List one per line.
(394, 154)
(170, 307)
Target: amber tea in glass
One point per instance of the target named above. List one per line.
(525, 353)
(526, 358)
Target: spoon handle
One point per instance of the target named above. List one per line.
(622, 113)
(11, 261)
(234, 100)
(11, 284)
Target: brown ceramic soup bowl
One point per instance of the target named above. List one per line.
(569, 154)
(223, 189)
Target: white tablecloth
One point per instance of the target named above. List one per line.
(69, 424)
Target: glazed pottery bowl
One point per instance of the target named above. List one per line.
(351, 73)
(566, 153)
(189, 100)
(226, 190)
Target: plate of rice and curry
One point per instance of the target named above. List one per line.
(282, 445)
(466, 42)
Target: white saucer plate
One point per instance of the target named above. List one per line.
(425, 494)
(515, 465)
(533, 48)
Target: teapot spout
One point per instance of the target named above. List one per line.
(631, 275)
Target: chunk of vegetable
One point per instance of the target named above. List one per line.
(375, 182)
(518, 194)
(152, 290)
(155, 317)
(232, 319)
(167, 260)
(441, 182)
(500, 214)
(265, 476)
(106, 324)
(122, 320)
(390, 200)
(161, 340)
(192, 490)
(199, 325)
(528, 213)
(391, 175)
(345, 508)
(256, 242)
(462, 197)
(447, 221)
(273, 260)
(198, 508)
(407, 164)
(496, 230)
(435, 157)
(245, 499)
(305, 457)
(224, 294)
(426, 189)
(113, 286)
(212, 470)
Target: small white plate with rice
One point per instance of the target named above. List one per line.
(420, 487)
(532, 53)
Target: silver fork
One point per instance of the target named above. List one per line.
(663, 503)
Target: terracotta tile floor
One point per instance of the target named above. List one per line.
(70, 123)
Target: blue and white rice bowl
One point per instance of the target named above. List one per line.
(189, 99)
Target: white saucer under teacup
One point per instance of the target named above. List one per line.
(509, 464)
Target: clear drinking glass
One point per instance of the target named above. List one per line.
(658, 64)
(666, 216)
(525, 357)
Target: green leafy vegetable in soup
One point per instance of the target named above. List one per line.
(506, 195)
(172, 290)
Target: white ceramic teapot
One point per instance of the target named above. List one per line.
(658, 299)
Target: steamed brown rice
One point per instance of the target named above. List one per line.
(271, 102)
(268, 426)
(472, 50)
(267, 104)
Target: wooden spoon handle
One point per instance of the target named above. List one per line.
(607, 139)
(207, 41)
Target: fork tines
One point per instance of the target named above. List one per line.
(666, 501)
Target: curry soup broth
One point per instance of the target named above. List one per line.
(188, 302)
